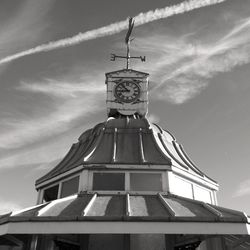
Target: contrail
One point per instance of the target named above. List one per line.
(114, 28)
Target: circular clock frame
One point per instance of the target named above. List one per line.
(127, 91)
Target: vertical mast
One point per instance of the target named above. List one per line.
(127, 42)
(128, 39)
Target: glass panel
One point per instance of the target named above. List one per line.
(60, 245)
(145, 182)
(147, 242)
(70, 187)
(108, 181)
(50, 194)
(182, 188)
(202, 194)
(106, 242)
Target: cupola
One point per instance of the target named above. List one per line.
(127, 153)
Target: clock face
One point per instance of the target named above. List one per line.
(127, 91)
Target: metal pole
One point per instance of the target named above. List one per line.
(128, 54)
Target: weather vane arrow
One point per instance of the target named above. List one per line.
(127, 42)
(130, 28)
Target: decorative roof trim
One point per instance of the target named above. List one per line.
(194, 177)
(166, 205)
(91, 149)
(87, 208)
(182, 156)
(123, 227)
(159, 149)
(170, 154)
(141, 146)
(126, 70)
(59, 177)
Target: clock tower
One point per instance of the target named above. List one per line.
(127, 89)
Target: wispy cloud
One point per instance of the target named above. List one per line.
(182, 66)
(8, 206)
(153, 118)
(15, 31)
(243, 189)
(59, 88)
(117, 27)
(39, 157)
(71, 100)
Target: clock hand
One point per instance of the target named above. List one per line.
(123, 86)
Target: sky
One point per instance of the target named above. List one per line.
(53, 59)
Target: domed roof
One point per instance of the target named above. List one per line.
(130, 141)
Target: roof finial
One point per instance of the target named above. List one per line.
(127, 42)
(128, 39)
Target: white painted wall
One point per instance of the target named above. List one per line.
(189, 189)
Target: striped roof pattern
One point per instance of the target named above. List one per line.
(128, 141)
(126, 207)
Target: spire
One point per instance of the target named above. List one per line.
(127, 42)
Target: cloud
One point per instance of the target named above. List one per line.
(183, 66)
(60, 88)
(71, 100)
(15, 32)
(8, 206)
(243, 189)
(153, 118)
(114, 28)
(39, 157)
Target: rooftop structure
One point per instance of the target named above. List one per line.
(126, 184)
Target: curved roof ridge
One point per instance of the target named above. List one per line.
(176, 146)
(125, 140)
(171, 155)
(189, 160)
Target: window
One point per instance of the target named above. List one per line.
(108, 181)
(145, 182)
(106, 242)
(202, 194)
(147, 242)
(70, 187)
(51, 193)
(182, 188)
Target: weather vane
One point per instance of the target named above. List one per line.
(127, 42)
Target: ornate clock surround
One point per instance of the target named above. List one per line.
(127, 91)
